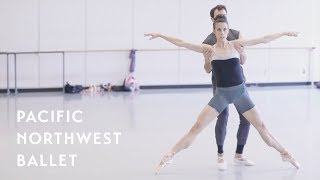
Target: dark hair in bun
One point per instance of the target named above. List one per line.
(220, 18)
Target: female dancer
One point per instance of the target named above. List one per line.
(230, 88)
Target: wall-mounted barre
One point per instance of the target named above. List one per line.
(109, 50)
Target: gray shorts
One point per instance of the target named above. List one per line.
(236, 95)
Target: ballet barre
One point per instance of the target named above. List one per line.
(311, 48)
(15, 65)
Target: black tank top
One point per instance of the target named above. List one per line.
(226, 66)
(227, 72)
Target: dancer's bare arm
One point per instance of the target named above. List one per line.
(207, 54)
(263, 39)
(207, 66)
(240, 49)
(200, 48)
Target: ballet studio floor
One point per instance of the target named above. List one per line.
(150, 122)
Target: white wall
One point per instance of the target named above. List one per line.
(316, 39)
(19, 25)
(118, 26)
(62, 25)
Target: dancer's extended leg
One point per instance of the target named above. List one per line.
(254, 118)
(206, 116)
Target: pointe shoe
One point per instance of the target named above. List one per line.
(166, 159)
(287, 157)
(222, 164)
(243, 161)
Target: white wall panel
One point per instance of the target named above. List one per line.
(108, 67)
(3, 71)
(155, 16)
(11, 71)
(19, 25)
(195, 27)
(316, 39)
(256, 66)
(252, 18)
(161, 68)
(109, 24)
(191, 68)
(75, 68)
(287, 65)
(50, 70)
(27, 71)
(62, 25)
(255, 18)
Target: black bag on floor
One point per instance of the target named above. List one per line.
(72, 89)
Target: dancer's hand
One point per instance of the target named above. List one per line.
(291, 33)
(207, 65)
(153, 35)
(207, 52)
(239, 48)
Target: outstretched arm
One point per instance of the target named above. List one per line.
(207, 65)
(240, 49)
(180, 43)
(264, 39)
